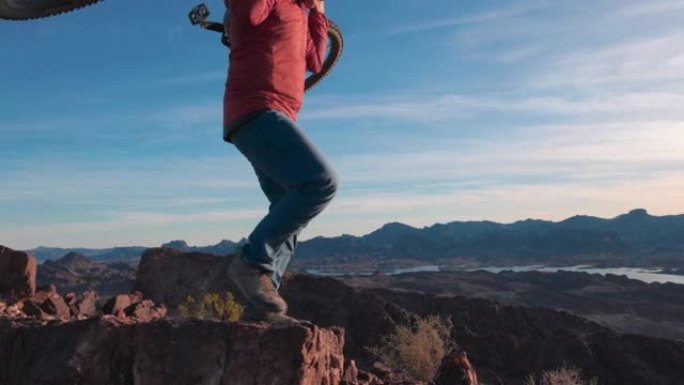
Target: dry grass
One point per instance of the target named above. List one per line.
(212, 306)
(417, 349)
(562, 376)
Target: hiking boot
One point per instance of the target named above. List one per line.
(256, 314)
(256, 286)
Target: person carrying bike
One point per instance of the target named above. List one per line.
(274, 43)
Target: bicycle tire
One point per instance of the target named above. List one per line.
(336, 47)
(14, 10)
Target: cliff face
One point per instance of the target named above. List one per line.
(512, 341)
(106, 352)
(622, 304)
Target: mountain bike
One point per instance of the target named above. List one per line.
(199, 14)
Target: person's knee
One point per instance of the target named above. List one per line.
(331, 185)
(323, 188)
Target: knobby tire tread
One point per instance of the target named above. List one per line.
(336, 47)
(8, 13)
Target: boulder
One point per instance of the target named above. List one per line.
(17, 274)
(31, 309)
(46, 304)
(168, 276)
(351, 373)
(70, 299)
(456, 369)
(86, 305)
(117, 304)
(145, 311)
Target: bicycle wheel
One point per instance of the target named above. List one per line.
(335, 46)
(36, 9)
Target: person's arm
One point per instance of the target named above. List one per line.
(255, 11)
(317, 39)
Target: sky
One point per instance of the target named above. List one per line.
(110, 119)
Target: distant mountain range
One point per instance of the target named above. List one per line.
(633, 239)
(75, 273)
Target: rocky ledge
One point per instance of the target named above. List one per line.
(103, 351)
(128, 340)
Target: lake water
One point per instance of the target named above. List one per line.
(415, 269)
(642, 274)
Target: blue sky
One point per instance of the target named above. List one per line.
(110, 119)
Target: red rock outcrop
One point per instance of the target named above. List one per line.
(103, 351)
(167, 276)
(17, 274)
(46, 304)
(128, 342)
(456, 369)
(117, 304)
(85, 306)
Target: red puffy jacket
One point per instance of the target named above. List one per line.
(273, 43)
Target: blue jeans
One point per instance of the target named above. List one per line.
(297, 180)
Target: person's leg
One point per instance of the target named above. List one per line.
(272, 190)
(275, 192)
(280, 150)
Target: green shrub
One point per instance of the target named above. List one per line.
(417, 349)
(562, 376)
(212, 306)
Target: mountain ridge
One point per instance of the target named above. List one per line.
(635, 238)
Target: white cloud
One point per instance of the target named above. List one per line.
(125, 183)
(580, 152)
(652, 7)
(547, 172)
(433, 108)
(643, 61)
(476, 18)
